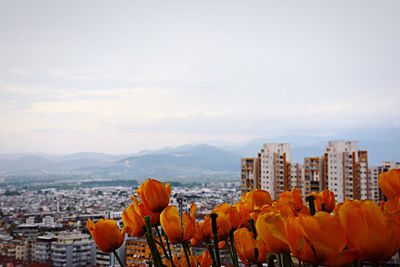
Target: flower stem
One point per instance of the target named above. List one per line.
(232, 241)
(162, 243)
(311, 204)
(185, 249)
(118, 258)
(211, 251)
(253, 228)
(168, 247)
(150, 241)
(213, 217)
(287, 260)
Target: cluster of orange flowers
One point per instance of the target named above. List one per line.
(259, 230)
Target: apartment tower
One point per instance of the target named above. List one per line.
(275, 161)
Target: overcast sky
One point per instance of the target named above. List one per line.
(123, 76)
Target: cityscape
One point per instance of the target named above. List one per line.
(47, 226)
(199, 133)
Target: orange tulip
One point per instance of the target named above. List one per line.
(143, 212)
(107, 234)
(177, 231)
(294, 197)
(270, 227)
(204, 259)
(133, 221)
(223, 227)
(154, 195)
(231, 212)
(372, 235)
(318, 239)
(249, 250)
(324, 201)
(389, 182)
(244, 214)
(255, 199)
(182, 261)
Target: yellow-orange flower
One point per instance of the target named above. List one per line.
(133, 221)
(107, 234)
(154, 195)
(144, 211)
(255, 199)
(176, 231)
(271, 229)
(294, 197)
(389, 182)
(182, 261)
(319, 239)
(204, 259)
(249, 250)
(325, 201)
(244, 214)
(372, 235)
(223, 227)
(231, 212)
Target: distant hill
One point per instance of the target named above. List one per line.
(200, 161)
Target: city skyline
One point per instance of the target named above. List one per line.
(122, 78)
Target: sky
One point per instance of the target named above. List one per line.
(119, 77)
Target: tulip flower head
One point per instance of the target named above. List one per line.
(249, 250)
(270, 227)
(176, 228)
(389, 182)
(133, 221)
(107, 234)
(154, 195)
(318, 239)
(294, 197)
(372, 235)
(231, 212)
(324, 201)
(256, 199)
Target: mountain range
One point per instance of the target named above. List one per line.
(193, 161)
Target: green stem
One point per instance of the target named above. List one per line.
(287, 260)
(162, 243)
(253, 228)
(213, 217)
(211, 251)
(118, 258)
(310, 199)
(280, 260)
(234, 252)
(271, 260)
(185, 249)
(168, 247)
(150, 241)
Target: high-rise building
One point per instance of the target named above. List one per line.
(374, 192)
(363, 179)
(41, 248)
(73, 249)
(340, 169)
(312, 181)
(296, 174)
(274, 166)
(250, 175)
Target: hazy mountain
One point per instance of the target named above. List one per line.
(199, 160)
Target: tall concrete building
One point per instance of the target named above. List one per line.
(374, 192)
(345, 170)
(296, 174)
(313, 178)
(250, 174)
(73, 249)
(274, 162)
